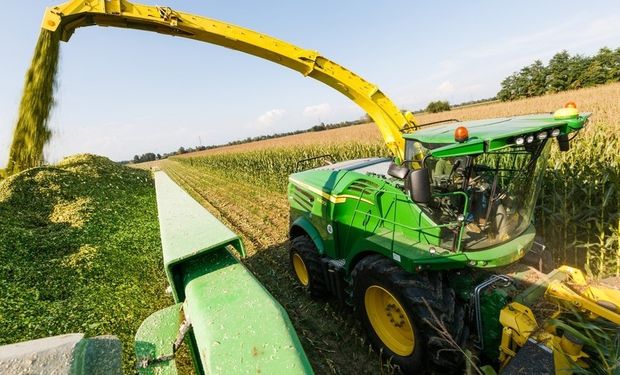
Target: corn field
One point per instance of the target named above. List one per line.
(270, 167)
(577, 212)
(579, 205)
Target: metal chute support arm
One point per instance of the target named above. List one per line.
(67, 17)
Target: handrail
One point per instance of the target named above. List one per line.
(395, 223)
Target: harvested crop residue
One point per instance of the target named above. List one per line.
(74, 213)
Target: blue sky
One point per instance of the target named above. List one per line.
(125, 92)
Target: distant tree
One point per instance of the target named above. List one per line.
(576, 68)
(594, 75)
(537, 79)
(438, 106)
(562, 73)
(181, 150)
(558, 72)
(158, 156)
(508, 89)
(603, 68)
(617, 63)
(136, 159)
(318, 128)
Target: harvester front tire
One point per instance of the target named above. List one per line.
(306, 266)
(376, 278)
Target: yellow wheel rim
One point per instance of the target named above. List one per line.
(300, 270)
(389, 320)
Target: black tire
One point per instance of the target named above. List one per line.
(411, 290)
(304, 247)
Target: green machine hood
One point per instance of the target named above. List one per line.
(492, 134)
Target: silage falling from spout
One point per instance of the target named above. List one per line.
(31, 131)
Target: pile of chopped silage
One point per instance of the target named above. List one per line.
(79, 252)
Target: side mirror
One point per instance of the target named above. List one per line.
(563, 142)
(420, 185)
(398, 171)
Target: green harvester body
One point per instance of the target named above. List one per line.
(354, 209)
(372, 212)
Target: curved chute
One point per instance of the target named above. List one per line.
(67, 17)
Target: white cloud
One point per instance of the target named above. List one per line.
(446, 87)
(119, 141)
(268, 118)
(319, 110)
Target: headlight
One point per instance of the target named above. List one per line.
(542, 136)
(519, 141)
(555, 132)
(529, 139)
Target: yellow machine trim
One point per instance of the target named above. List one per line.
(571, 291)
(389, 320)
(576, 291)
(336, 199)
(520, 319)
(301, 270)
(520, 326)
(71, 15)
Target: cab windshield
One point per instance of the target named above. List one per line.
(490, 197)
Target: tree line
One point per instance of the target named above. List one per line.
(150, 156)
(563, 72)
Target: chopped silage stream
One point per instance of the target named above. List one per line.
(31, 132)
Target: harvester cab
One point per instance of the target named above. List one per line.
(485, 175)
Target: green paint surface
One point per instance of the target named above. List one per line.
(155, 339)
(490, 134)
(187, 229)
(237, 326)
(371, 212)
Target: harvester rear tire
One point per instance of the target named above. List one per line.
(411, 291)
(303, 249)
